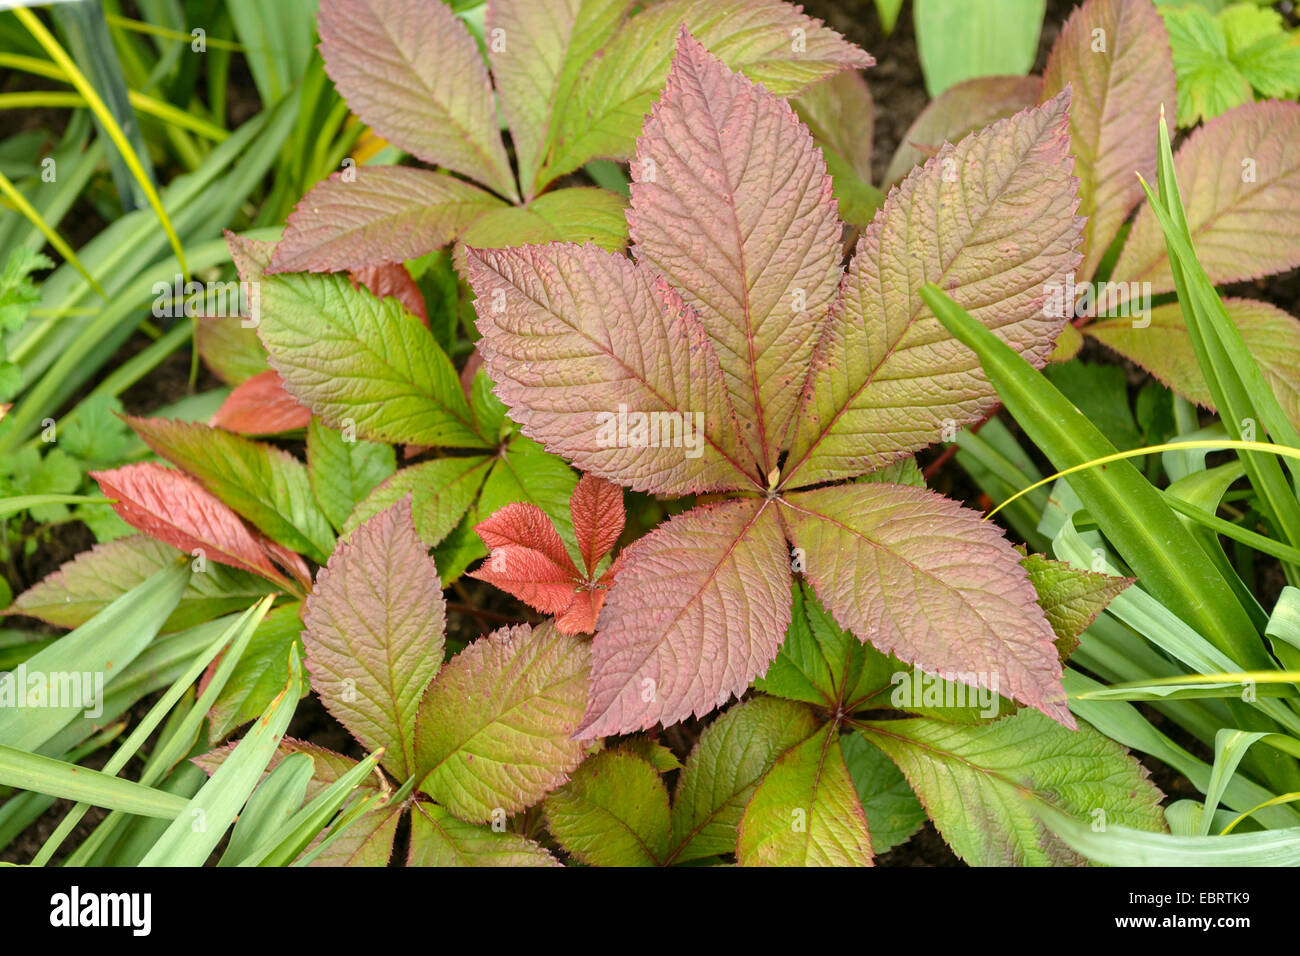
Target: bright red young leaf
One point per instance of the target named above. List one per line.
(529, 559)
(735, 355)
(261, 406)
(174, 508)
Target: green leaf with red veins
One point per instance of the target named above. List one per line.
(701, 606)
(382, 214)
(413, 73)
(958, 111)
(374, 634)
(572, 335)
(1118, 91)
(990, 219)
(265, 484)
(495, 726)
(917, 576)
(175, 509)
(806, 811)
(731, 203)
(772, 42)
(543, 44)
(1070, 597)
(439, 839)
(1164, 348)
(354, 358)
(1240, 173)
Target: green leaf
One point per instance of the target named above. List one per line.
(84, 586)
(612, 812)
(261, 671)
(265, 484)
(1070, 598)
(893, 812)
(529, 687)
(28, 771)
(1209, 84)
(578, 214)
(720, 775)
(1101, 393)
(343, 472)
(273, 803)
(32, 711)
(441, 491)
(959, 41)
(363, 362)
(806, 811)
(608, 93)
(1145, 531)
(820, 662)
(974, 781)
(439, 839)
(202, 823)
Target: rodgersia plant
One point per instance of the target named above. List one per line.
(735, 312)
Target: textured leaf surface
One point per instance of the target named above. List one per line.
(959, 110)
(1239, 175)
(1117, 96)
(921, 578)
(412, 72)
(266, 485)
(806, 811)
(1164, 348)
(1070, 598)
(720, 775)
(441, 492)
(354, 358)
(343, 472)
(177, 510)
(494, 727)
(573, 336)
(261, 406)
(374, 634)
(84, 586)
(731, 203)
(546, 43)
(975, 780)
(384, 214)
(439, 839)
(613, 812)
(615, 87)
(820, 662)
(893, 812)
(598, 516)
(992, 220)
(527, 558)
(702, 605)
